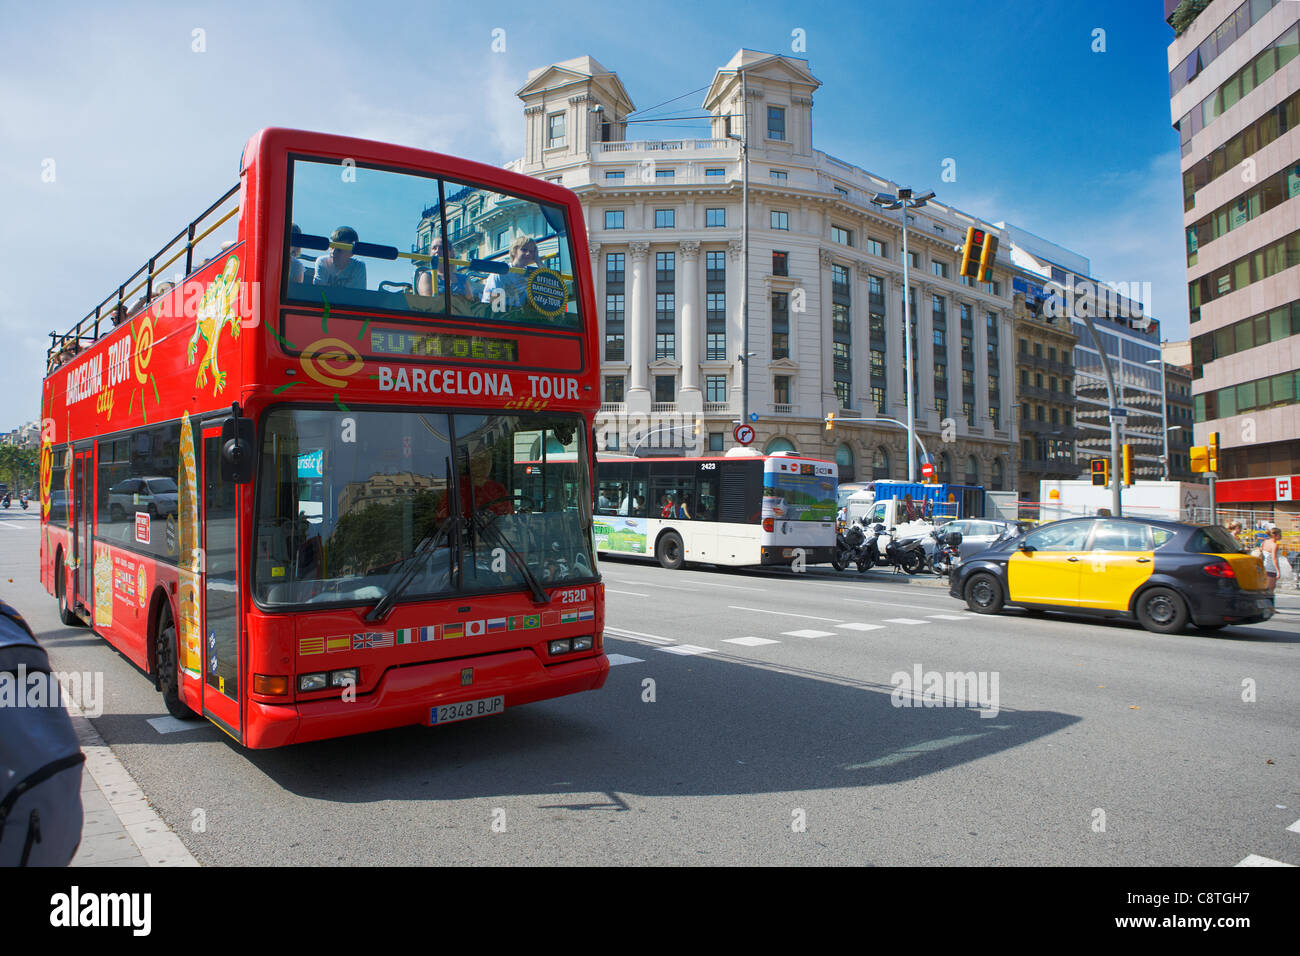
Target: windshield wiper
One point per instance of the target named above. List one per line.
(488, 527)
(408, 566)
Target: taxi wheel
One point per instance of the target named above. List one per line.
(1162, 610)
(984, 594)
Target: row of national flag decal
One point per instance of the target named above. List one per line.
(419, 635)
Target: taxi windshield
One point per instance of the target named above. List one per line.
(368, 238)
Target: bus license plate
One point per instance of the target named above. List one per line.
(467, 710)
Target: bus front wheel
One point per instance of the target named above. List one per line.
(669, 551)
(168, 672)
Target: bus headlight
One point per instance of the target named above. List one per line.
(560, 647)
(582, 643)
(350, 676)
(309, 682)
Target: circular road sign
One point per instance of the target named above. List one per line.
(927, 470)
(743, 434)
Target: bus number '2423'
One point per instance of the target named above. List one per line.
(573, 594)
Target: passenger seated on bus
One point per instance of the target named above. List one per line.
(523, 255)
(683, 511)
(666, 506)
(297, 267)
(427, 284)
(337, 267)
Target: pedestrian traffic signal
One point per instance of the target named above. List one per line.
(986, 258)
(830, 421)
(1126, 459)
(1212, 450)
(972, 252)
(1101, 471)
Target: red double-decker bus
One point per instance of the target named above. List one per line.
(323, 465)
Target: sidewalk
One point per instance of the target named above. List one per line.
(120, 827)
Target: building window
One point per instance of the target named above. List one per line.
(665, 345)
(913, 260)
(780, 263)
(843, 236)
(613, 346)
(665, 218)
(939, 268)
(716, 440)
(776, 122)
(877, 248)
(880, 464)
(841, 191)
(715, 217)
(781, 389)
(779, 175)
(878, 399)
(780, 325)
(664, 174)
(716, 347)
(613, 175)
(715, 174)
(779, 220)
(715, 388)
(613, 219)
(665, 388)
(614, 267)
(555, 126)
(614, 389)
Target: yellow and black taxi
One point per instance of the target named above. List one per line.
(1164, 574)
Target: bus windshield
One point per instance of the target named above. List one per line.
(345, 499)
(379, 239)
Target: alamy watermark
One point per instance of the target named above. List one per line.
(946, 689)
(50, 688)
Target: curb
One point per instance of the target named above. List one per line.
(120, 827)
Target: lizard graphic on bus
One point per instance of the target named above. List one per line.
(216, 309)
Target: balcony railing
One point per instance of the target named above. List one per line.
(782, 408)
(613, 408)
(663, 406)
(717, 408)
(656, 145)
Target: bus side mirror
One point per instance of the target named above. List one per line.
(237, 437)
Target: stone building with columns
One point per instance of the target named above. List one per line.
(825, 284)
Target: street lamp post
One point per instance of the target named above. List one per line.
(1164, 410)
(905, 201)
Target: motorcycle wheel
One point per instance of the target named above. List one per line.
(913, 562)
(837, 560)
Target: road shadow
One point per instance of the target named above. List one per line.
(717, 726)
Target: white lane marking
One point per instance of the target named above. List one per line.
(855, 626)
(638, 636)
(666, 587)
(9, 524)
(914, 607)
(916, 750)
(749, 641)
(616, 659)
(947, 617)
(610, 590)
(170, 725)
(686, 649)
(1255, 860)
(733, 587)
(904, 620)
(763, 610)
(706, 584)
(1294, 828)
(807, 633)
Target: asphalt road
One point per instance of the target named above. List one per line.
(750, 719)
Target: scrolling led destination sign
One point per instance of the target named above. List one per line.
(443, 345)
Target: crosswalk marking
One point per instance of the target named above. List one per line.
(947, 617)
(806, 633)
(763, 610)
(855, 626)
(686, 649)
(903, 620)
(749, 641)
(1256, 860)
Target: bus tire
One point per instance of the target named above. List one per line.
(168, 669)
(66, 616)
(669, 551)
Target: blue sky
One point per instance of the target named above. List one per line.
(145, 132)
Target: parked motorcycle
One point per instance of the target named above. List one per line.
(947, 553)
(909, 555)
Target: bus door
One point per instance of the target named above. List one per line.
(222, 664)
(83, 557)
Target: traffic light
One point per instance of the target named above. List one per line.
(986, 258)
(1212, 452)
(1126, 459)
(1200, 458)
(1101, 471)
(972, 252)
(830, 421)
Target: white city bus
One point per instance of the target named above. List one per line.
(750, 510)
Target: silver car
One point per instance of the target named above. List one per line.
(978, 533)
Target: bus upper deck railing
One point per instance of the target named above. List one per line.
(114, 308)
